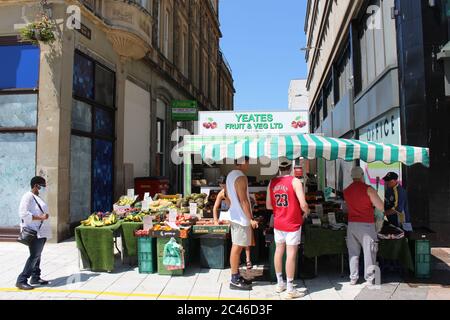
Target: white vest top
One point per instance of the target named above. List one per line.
(237, 215)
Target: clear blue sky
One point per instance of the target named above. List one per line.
(262, 41)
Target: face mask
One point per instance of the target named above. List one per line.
(42, 192)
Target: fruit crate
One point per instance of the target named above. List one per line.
(214, 253)
(160, 243)
(199, 229)
(423, 259)
(146, 254)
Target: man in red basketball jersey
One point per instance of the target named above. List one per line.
(285, 196)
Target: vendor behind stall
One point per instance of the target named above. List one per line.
(396, 203)
(222, 204)
(360, 199)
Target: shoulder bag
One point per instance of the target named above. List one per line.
(27, 235)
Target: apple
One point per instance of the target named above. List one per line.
(294, 124)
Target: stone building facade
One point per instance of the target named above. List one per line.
(91, 111)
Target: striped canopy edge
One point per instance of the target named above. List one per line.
(308, 146)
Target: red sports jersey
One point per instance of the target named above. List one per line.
(360, 208)
(287, 213)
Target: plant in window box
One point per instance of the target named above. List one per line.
(42, 30)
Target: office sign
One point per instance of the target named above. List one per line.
(184, 110)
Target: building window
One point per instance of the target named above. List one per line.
(19, 67)
(160, 143)
(19, 78)
(195, 67)
(205, 75)
(376, 45)
(183, 57)
(343, 75)
(93, 136)
(328, 99)
(166, 34)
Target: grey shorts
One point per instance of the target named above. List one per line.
(240, 235)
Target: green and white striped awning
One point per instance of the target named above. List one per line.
(308, 146)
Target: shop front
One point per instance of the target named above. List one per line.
(19, 89)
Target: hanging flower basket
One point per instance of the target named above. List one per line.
(42, 30)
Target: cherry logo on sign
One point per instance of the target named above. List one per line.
(298, 123)
(211, 124)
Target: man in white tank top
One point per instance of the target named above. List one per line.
(241, 218)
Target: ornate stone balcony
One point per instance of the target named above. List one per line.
(129, 25)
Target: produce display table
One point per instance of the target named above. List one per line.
(320, 241)
(96, 245)
(129, 241)
(396, 250)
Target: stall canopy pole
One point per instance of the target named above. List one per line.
(187, 173)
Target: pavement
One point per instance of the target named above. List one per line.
(60, 266)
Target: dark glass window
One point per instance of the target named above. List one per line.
(104, 86)
(83, 77)
(103, 175)
(104, 122)
(93, 135)
(81, 116)
(19, 66)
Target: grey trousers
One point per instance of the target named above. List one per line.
(362, 235)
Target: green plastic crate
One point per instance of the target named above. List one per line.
(423, 259)
(213, 253)
(146, 254)
(273, 276)
(161, 242)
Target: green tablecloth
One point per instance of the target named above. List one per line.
(320, 242)
(396, 250)
(97, 246)
(129, 241)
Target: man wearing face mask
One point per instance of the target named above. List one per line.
(33, 212)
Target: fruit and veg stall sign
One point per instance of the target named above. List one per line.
(235, 123)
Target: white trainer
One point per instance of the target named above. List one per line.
(354, 282)
(280, 288)
(295, 294)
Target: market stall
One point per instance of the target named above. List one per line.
(320, 238)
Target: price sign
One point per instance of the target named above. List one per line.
(173, 215)
(145, 205)
(147, 196)
(331, 218)
(130, 193)
(148, 222)
(319, 210)
(193, 209)
(316, 221)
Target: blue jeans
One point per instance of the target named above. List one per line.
(31, 268)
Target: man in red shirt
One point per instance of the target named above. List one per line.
(361, 200)
(285, 196)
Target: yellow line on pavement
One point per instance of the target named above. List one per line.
(122, 294)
